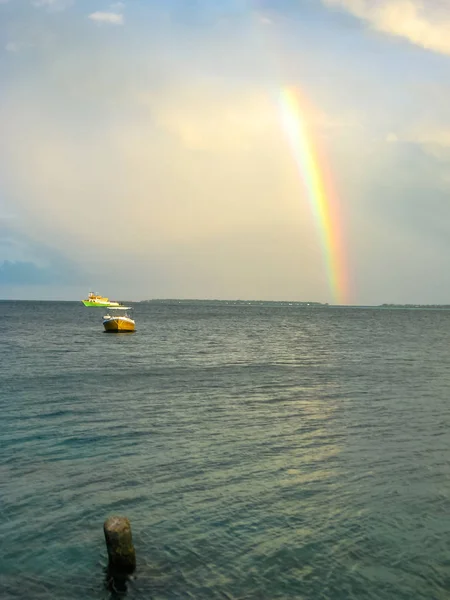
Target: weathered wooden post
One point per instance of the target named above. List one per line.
(119, 543)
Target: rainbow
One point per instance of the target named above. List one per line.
(323, 202)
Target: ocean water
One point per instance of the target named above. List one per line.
(260, 452)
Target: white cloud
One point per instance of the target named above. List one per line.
(391, 138)
(190, 141)
(433, 141)
(215, 192)
(437, 137)
(111, 18)
(425, 24)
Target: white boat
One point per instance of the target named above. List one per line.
(118, 323)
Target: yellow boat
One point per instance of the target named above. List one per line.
(97, 300)
(119, 323)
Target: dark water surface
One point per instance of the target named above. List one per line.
(261, 452)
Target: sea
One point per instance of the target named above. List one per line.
(262, 451)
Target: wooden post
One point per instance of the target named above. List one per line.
(119, 543)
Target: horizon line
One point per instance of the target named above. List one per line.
(311, 303)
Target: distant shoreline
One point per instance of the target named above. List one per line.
(246, 302)
(293, 303)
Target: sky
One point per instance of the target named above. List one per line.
(146, 152)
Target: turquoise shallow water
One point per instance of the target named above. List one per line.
(260, 452)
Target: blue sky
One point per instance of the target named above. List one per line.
(143, 153)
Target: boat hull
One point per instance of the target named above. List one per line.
(118, 325)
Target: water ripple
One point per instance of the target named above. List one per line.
(260, 452)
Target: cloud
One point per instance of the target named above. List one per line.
(25, 273)
(185, 181)
(174, 177)
(23, 261)
(112, 18)
(430, 137)
(426, 24)
(30, 273)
